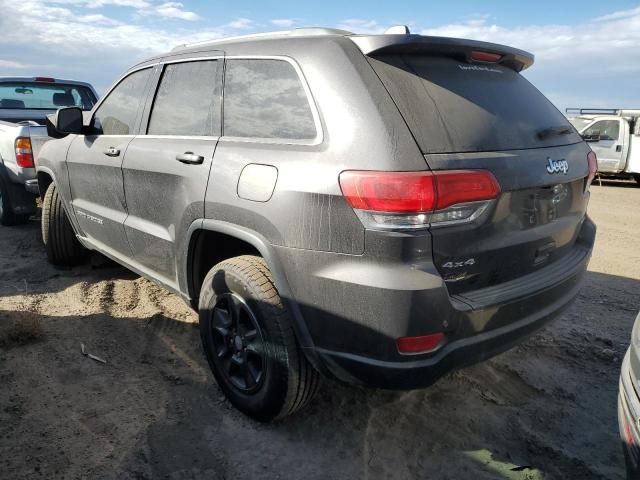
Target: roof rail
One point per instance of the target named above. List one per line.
(281, 33)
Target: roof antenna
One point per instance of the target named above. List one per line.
(397, 30)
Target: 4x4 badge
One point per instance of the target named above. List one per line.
(557, 166)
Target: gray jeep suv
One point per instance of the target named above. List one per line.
(378, 209)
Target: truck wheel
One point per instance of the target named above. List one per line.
(63, 248)
(249, 341)
(7, 217)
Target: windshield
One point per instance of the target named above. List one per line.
(452, 106)
(44, 96)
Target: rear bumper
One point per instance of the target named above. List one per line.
(461, 352)
(355, 308)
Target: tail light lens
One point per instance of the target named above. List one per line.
(423, 344)
(592, 160)
(24, 153)
(414, 200)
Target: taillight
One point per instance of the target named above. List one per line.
(592, 161)
(24, 153)
(414, 200)
(45, 79)
(422, 344)
(485, 57)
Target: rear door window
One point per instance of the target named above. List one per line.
(117, 114)
(265, 98)
(452, 106)
(188, 100)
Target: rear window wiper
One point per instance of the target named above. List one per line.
(554, 132)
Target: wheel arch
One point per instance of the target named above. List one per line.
(264, 249)
(45, 178)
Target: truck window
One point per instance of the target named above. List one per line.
(607, 129)
(265, 98)
(117, 114)
(188, 100)
(45, 96)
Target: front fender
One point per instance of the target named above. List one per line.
(52, 162)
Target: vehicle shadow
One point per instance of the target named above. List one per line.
(545, 409)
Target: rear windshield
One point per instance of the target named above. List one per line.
(45, 96)
(452, 106)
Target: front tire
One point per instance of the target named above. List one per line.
(7, 217)
(61, 244)
(248, 338)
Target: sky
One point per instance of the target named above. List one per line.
(587, 52)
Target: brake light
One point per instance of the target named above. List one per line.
(45, 79)
(24, 153)
(486, 57)
(412, 200)
(592, 160)
(422, 344)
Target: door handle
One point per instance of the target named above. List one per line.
(618, 148)
(190, 158)
(112, 152)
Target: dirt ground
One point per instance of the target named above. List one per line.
(546, 409)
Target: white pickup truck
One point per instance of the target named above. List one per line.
(24, 106)
(614, 136)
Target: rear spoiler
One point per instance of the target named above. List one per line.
(374, 45)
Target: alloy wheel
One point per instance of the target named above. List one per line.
(238, 343)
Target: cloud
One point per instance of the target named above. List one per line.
(595, 62)
(143, 7)
(284, 22)
(592, 62)
(241, 24)
(170, 10)
(619, 15)
(10, 64)
(358, 25)
(138, 4)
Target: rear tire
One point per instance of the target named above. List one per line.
(7, 217)
(61, 244)
(245, 327)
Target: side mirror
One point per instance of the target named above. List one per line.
(591, 138)
(69, 120)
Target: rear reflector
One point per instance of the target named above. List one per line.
(24, 153)
(410, 200)
(423, 344)
(485, 57)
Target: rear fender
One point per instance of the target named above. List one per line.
(267, 252)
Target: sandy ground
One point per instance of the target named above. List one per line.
(546, 409)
